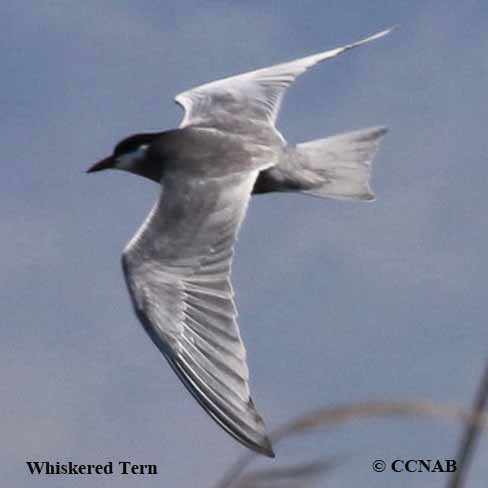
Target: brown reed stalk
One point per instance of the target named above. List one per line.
(471, 434)
(333, 416)
(297, 476)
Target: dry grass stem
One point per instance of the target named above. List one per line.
(334, 416)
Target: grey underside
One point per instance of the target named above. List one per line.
(337, 167)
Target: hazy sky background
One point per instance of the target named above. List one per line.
(339, 302)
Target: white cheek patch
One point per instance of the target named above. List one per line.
(128, 160)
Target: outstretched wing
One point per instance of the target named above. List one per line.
(177, 268)
(254, 97)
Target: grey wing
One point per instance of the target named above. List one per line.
(177, 268)
(254, 97)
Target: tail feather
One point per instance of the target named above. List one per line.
(342, 164)
(334, 167)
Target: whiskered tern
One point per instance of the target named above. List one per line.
(177, 266)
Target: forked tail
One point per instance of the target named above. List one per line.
(343, 162)
(335, 167)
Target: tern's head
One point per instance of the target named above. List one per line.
(130, 154)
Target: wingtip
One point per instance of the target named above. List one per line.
(271, 454)
(262, 444)
(380, 34)
(266, 448)
(263, 447)
(380, 131)
(388, 30)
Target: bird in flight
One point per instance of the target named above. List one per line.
(178, 264)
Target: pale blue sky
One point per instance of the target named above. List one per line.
(339, 302)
